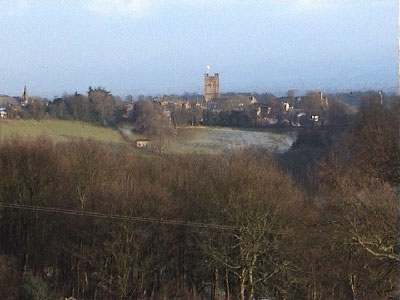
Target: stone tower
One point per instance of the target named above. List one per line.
(25, 99)
(211, 87)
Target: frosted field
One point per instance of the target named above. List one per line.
(213, 140)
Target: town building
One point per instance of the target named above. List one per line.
(253, 100)
(3, 113)
(7, 101)
(142, 143)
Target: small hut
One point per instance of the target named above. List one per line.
(143, 143)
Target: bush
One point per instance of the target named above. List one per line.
(35, 288)
(9, 278)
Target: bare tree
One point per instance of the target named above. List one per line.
(152, 121)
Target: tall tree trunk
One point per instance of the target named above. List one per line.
(215, 285)
(242, 284)
(242, 289)
(251, 286)
(227, 292)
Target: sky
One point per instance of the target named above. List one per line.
(156, 47)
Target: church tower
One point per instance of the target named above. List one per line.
(211, 87)
(25, 99)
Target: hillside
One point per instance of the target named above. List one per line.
(189, 140)
(59, 130)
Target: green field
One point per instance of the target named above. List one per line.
(58, 131)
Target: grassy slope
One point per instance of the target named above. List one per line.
(182, 142)
(216, 139)
(58, 130)
(189, 139)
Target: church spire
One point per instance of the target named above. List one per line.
(25, 97)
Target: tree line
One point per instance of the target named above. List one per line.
(245, 227)
(99, 107)
(103, 108)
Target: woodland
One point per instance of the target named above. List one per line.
(83, 220)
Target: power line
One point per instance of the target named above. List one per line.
(116, 217)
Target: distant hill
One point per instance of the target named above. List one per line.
(353, 98)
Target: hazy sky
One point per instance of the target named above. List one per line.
(163, 46)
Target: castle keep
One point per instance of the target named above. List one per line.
(211, 87)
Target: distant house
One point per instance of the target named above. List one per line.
(7, 101)
(286, 106)
(200, 105)
(163, 102)
(141, 143)
(170, 102)
(253, 100)
(3, 113)
(8, 106)
(186, 105)
(258, 111)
